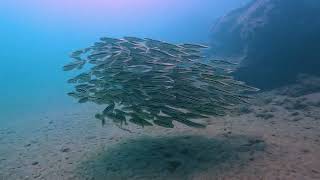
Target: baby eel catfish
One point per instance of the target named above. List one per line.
(149, 82)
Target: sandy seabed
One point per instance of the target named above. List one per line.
(277, 137)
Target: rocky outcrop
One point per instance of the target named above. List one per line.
(275, 40)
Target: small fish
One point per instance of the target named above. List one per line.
(110, 40)
(72, 81)
(99, 55)
(134, 39)
(164, 121)
(140, 122)
(151, 43)
(189, 123)
(120, 115)
(139, 68)
(163, 64)
(81, 90)
(138, 50)
(163, 124)
(72, 66)
(73, 94)
(176, 52)
(166, 45)
(83, 77)
(194, 46)
(156, 52)
(191, 51)
(83, 100)
(76, 54)
(83, 86)
(141, 57)
(192, 56)
(222, 62)
(101, 118)
(128, 44)
(109, 109)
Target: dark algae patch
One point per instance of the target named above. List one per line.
(149, 82)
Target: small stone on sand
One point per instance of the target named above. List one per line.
(35, 163)
(65, 150)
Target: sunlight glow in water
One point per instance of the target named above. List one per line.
(94, 8)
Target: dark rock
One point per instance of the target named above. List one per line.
(305, 151)
(275, 40)
(27, 145)
(65, 150)
(36, 176)
(265, 116)
(255, 141)
(35, 163)
(315, 171)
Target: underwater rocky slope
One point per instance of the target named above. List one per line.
(275, 40)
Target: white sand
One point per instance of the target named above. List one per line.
(276, 138)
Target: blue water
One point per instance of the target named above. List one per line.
(36, 38)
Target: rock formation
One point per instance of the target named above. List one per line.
(274, 40)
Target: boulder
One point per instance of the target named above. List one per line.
(273, 40)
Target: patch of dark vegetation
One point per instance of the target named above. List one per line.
(171, 157)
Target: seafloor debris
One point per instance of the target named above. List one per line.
(146, 82)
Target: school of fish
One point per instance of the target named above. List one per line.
(149, 82)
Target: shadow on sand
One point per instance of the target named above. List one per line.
(178, 157)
